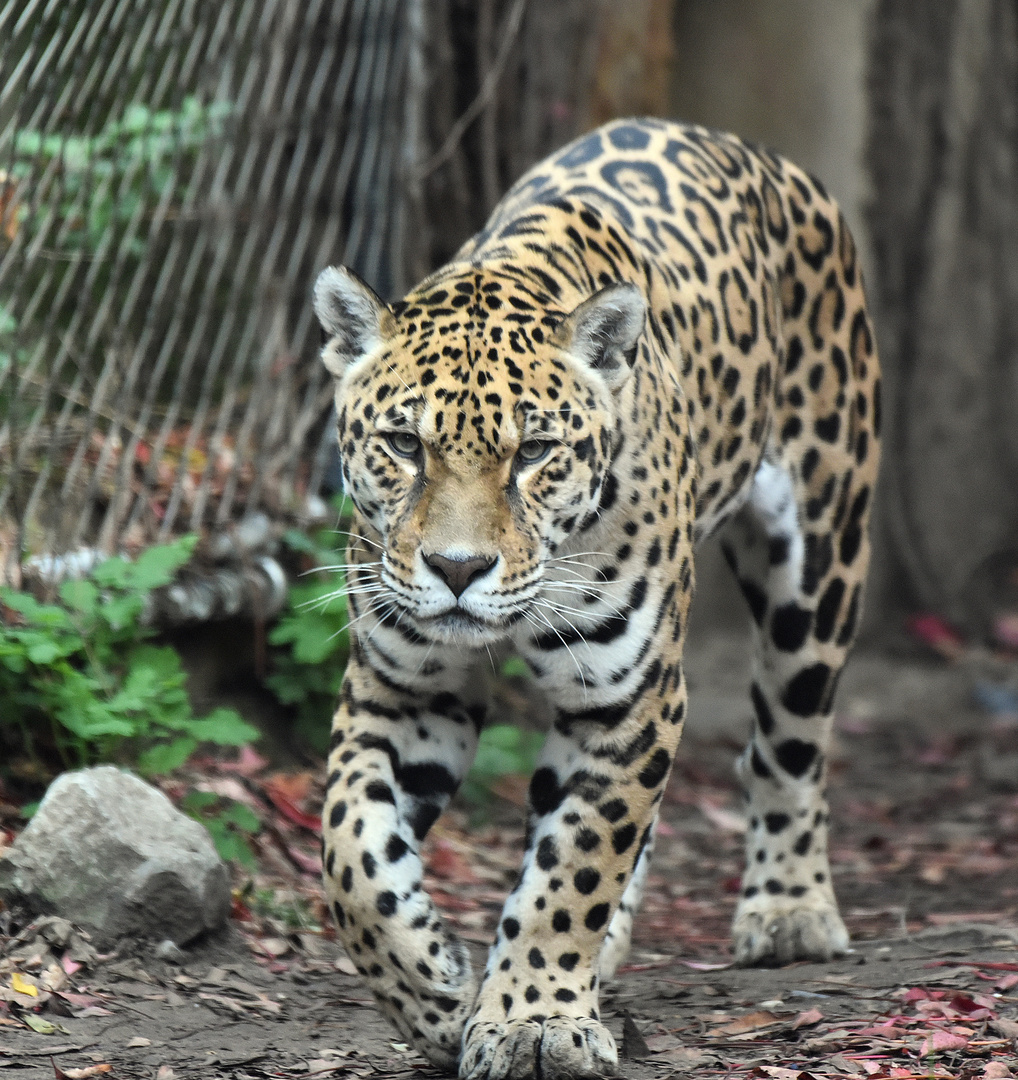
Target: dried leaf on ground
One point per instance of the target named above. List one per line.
(937, 1042)
(807, 1019)
(634, 1046)
(80, 1074)
(753, 1021)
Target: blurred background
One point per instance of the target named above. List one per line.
(174, 174)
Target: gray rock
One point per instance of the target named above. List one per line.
(109, 852)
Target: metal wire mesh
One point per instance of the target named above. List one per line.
(173, 175)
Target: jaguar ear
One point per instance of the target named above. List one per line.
(603, 331)
(352, 314)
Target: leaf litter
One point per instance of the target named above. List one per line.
(923, 860)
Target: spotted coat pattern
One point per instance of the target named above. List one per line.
(660, 333)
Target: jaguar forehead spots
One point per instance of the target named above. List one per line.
(660, 334)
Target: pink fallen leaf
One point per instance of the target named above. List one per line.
(1007, 982)
(273, 946)
(227, 787)
(939, 1041)
(939, 635)
(78, 1000)
(807, 1019)
(940, 750)
(888, 1030)
(997, 1070)
(70, 966)
(248, 763)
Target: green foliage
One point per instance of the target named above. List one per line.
(503, 750)
(103, 181)
(290, 912)
(11, 356)
(312, 641)
(114, 198)
(515, 667)
(231, 825)
(83, 675)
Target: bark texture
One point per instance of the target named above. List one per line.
(943, 158)
(506, 82)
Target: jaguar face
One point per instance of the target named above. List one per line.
(473, 443)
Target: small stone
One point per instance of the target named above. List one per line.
(108, 851)
(274, 946)
(56, 932)
(170, 951)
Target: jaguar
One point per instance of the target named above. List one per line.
(660, 334)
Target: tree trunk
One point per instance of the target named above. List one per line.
(508, 82)
(943, 156)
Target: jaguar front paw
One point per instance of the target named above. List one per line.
(774, 935)
(553, 1048)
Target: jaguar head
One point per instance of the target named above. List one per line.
(476, 426)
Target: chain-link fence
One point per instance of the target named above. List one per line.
(173, 174)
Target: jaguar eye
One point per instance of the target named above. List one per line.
(404, 444)
(533, 450)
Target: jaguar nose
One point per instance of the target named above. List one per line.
(459, 573)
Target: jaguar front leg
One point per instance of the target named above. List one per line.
(394, 763)
(593, 801)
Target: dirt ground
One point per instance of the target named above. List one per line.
(924, 794)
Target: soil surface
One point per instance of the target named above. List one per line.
(924, 795)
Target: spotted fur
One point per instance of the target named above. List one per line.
(660, 333)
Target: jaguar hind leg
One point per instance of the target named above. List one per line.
(803, 587)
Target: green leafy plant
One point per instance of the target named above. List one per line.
(289, 912)
(232, 825)
(102, 181)
(11, 357)
(83, 676)
(312, 641)
(503, 750)
(115, 198)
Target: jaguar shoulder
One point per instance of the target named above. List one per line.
(660, 333)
